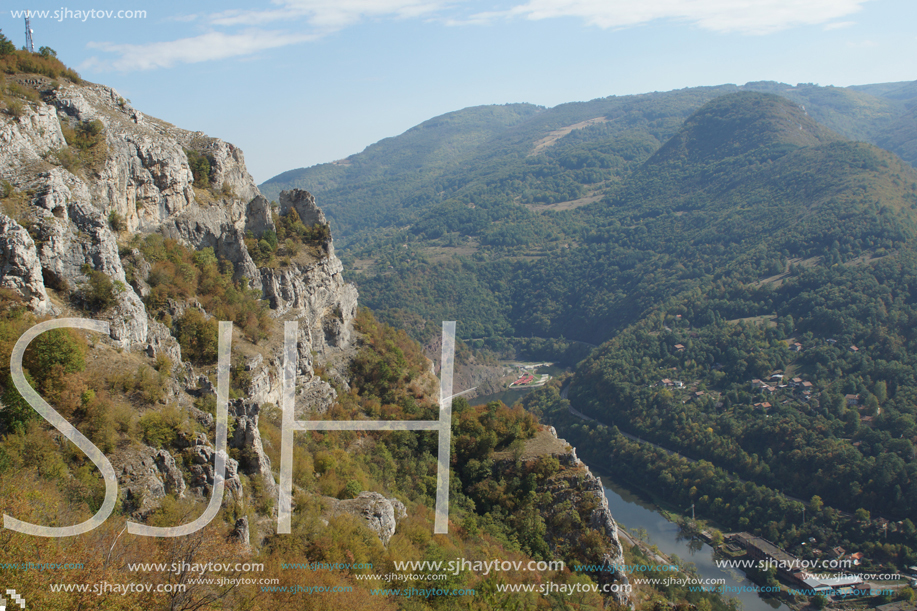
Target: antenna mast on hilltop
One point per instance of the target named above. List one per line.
(29, 45)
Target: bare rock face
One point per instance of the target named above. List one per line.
(318, 296)
(172, 477)
(25, 140)
(20, 268)
(202, 455)
(247, 438)
(146, 180)
(80, 217)
(145, 476)
(304, 204)
(161, 342)
(241, 532)
(258, 217)
(378, 512)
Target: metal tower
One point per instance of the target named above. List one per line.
(29, 45)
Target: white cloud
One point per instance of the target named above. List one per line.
(321, 17)
(329, 15)
(838, 25)
(742, 16)
(206, 47)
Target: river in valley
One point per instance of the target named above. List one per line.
(633, 512)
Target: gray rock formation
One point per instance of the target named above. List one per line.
(304, 204)
(171, 476)
(145, 476)
(318, 296)
(240, 533)
(379, 513)
(20, 269)
(247, 438)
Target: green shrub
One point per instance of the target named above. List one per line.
(15, 108)
(200, 167)
(53, 348)
(101, 293)
(161, 428)
(85, 135)
(352, 490)
(6, 47)
(197, 336)
(116, 221)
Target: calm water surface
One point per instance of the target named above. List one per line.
(633, 512)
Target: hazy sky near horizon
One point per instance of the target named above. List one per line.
(300, 82)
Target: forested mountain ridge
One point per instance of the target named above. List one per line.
(495, 151)
(749, 183)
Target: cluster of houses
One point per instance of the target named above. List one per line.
(776, 382)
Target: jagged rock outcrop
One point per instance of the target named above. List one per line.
(318, 295)
(247, 438)
(145, 476)
(304, 204)
(241, 533)
(20, 268)
(578, 498)
(171, 476)
(202, 457)
(26, 140)
(380, 514)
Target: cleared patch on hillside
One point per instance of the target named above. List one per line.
(443, 253)
(868, 258)
(542, 444)
(557, 134)
(567, 205)
(778, 279)
(768, 319)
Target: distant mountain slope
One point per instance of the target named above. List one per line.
(748, 183)
(564, 156)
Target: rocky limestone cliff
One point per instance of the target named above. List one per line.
(65, 221)
(578, 497)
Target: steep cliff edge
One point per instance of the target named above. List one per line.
(85, 177)
(578, 519)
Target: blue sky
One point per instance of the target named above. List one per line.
(300, 82)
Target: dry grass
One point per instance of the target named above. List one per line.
(557, 134)
(542, 444)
